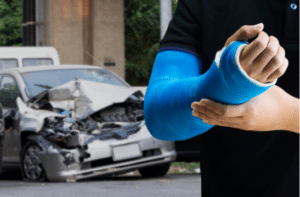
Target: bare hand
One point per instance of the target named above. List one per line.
(271, 110)
(263, 59)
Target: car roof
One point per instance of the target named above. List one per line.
(30, 51)
(49, 67)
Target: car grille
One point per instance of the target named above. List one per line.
(118, 133)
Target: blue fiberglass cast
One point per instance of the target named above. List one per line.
(176, 82)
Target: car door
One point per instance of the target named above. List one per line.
(8, 94)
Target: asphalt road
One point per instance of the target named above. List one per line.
(171, 185)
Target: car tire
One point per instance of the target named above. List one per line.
(155, 171)
(32, 169)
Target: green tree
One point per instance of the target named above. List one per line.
(142, 36)
(10, 22)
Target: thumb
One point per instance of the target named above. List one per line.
(245, 33)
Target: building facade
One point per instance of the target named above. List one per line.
(83, 31)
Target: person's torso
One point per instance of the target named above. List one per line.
(246, 162)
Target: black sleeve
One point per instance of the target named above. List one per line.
(185, 29)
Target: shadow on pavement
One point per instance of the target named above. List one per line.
(138, 177)
(11, 174)
(119, 178)
(14, 174)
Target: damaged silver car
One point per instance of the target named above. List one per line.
(73, 122)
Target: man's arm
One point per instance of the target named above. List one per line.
(274, 109)
(175, 83)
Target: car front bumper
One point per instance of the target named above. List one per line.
(64, 164)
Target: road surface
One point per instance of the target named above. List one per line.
(171, 185)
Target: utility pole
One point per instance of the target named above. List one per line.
(29, 23)
(165, 16)
(38, 22)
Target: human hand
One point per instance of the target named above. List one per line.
(271, 110)
(263, 59)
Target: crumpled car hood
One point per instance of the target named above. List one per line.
(87, 97)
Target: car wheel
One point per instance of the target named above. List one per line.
(155, 171)
(31, 166)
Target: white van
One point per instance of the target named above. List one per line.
(13, 57)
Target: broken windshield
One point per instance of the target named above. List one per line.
(54, 78)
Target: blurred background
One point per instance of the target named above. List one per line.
(122, 35)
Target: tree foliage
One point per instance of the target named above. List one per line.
(142, 36)
(10, 22)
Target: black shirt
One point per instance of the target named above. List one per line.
(236, 162)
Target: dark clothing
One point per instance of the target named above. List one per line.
(236, 162)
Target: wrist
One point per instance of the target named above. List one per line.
(235, 85)
(288, 114)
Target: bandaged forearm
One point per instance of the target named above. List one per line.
(176, 82)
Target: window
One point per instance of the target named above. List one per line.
(8, 64)
(53, 78)
(36, 61)
(8, 92)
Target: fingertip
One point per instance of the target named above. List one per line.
(259, 26)
(194, 113)
(195, 103)
(206, 101)
(203, 101)
(192, 105)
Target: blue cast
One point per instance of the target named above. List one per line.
(176, 82)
